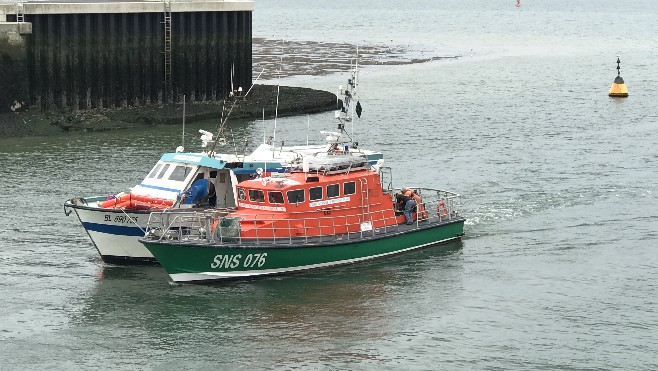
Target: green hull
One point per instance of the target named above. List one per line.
(186, 261)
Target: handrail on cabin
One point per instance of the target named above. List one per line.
(441, 206)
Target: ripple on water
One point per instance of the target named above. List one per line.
(557, 269)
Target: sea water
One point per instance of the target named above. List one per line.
(558, 267)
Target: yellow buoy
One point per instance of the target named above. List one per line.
(618, 88)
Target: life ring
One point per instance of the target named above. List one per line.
(441, 209)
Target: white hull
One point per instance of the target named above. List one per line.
(115, 233)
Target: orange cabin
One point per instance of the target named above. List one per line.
(314, 203)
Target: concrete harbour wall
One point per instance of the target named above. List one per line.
(14, 88)
(111, 54)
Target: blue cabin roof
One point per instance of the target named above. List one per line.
(217, 163)
(194, 159)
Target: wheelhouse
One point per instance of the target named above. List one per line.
(304, 192)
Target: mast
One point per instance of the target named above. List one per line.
(183, 139)
(276, 113)
(351, 103)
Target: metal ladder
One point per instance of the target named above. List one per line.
(167, 50)
(20, 15)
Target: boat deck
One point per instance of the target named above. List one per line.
(190, 237)
(213, 228)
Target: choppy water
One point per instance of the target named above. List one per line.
(558, 268)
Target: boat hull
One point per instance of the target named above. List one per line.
(194, 262)
(115, 233)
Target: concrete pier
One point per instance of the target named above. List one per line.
(109, 54)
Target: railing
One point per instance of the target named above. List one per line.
(176, 223)
(216, 226)
(445, 203)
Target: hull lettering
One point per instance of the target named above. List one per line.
(234, 261)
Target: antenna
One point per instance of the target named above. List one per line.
(223, 120)
(235, 147)
(232, 72)
(276, 109)
(276, 113)
(220, 128)
(246, 144)
(308, 127)
(354, 97)
(252, 85)
(183, 140)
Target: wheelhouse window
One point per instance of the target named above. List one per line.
(275, 197)
(241, 194)
(256, 195)
(315, 193)
(163, 171)
(180, 173)
(295, 196)
(349, 188)
(155, 170)
(333, 190)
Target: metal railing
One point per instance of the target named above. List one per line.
(177, 223)
(217, 226)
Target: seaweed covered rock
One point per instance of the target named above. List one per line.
(292, 101)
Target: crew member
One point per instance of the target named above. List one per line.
(198, 193)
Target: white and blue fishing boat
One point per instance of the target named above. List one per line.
(185, 181)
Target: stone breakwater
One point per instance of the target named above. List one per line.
(292, 101)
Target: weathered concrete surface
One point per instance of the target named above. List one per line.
(14, 89)
(292, 101)
(100, 6)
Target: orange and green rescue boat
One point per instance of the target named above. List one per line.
(332, 210)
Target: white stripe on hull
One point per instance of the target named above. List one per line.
(207, 276)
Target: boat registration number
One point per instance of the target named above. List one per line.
(121, 219)
(234, 261)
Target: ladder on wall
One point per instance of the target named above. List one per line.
(20, 13)
(167, 50)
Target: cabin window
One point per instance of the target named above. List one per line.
(155, 170)
(275, 197)
(349, 188)
(333, 190)
(295, 196)
(256, 195)
(241, 195)
(180, 173)
(315, 193)
(164, 170)
(222, 177)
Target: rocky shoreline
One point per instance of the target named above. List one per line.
(292, 101)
